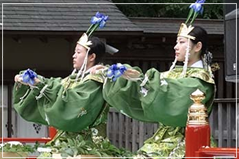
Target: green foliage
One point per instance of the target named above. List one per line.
(44, 155)
(17, 148)
(211, 11)
(73, 145)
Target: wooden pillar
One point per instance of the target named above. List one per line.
(9, 112)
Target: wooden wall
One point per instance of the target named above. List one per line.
(131, 134)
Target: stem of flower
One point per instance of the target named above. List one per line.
(93, 29)
(89, 29)
(189, 15)
(194, 16)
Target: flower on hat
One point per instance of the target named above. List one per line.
(99, 20)
(197, 6)
(195, 9)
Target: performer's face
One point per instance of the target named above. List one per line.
(180, 48)
(79, 56)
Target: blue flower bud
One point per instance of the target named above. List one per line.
(29, 76)
(197, 6)
(115, 71)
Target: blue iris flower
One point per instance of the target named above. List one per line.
(100, 19)
(29, 76)
(197, 6)
(103, 21)
(115, 71)
(97, 21)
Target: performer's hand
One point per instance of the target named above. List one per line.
(97, 69)
(18, 78)
(36, 80)
(131, 74)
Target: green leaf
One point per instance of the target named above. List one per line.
(69, 151)
(75, 152)
(64, 155)
(70, 141)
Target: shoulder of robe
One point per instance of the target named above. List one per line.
(95, 77)
(199, 73)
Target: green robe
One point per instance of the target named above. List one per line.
(65, 104)
(76, 108)
(166, 101)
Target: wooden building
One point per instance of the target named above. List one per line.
(41, 35)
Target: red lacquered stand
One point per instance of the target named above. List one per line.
(198, 133)
(196, 137)
(52, 133)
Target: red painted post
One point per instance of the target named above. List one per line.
(52, 132)
(197, 133)
(196, 137)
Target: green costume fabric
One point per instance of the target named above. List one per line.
(164, 98)
(75, 107)
(65, 104)
(165, 91)
(91, 141)
(168, 141)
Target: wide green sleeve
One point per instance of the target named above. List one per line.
(70, 109)
(124, 96)
(167, 100)
(25, 104)
(158, 100)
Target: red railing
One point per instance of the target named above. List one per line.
(51, 134)
(27, 140)
(211, 152)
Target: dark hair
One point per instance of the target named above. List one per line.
(200, 34)
(97, 47)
